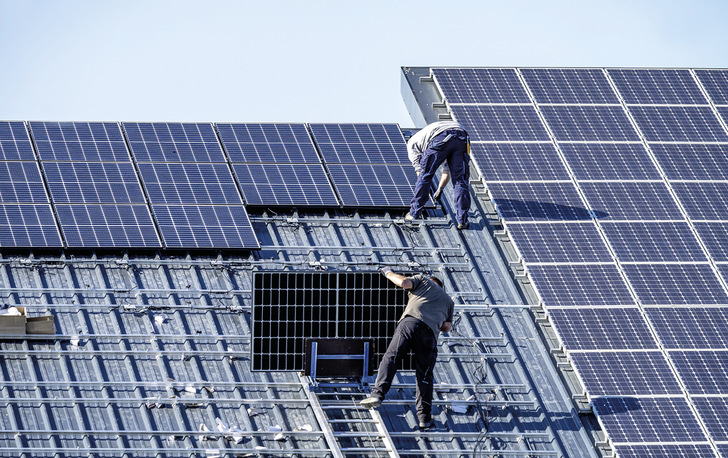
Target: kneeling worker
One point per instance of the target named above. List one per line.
(437, 143)
(429, 310)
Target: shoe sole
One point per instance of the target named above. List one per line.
(371, 405)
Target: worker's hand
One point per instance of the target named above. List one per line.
(437, 194)
(385, 270)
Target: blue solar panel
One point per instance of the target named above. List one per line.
(268, 143)
(14, 142)
(93, 182)
(201, 183)
(715, 239)
(665, 451)
(192, 226)
(678, 124)
(360, 143)
(695, 327)
(569, 85)
(480, 85)
(79, 141)
(559, 242)
(653, 242)
(500, 123)
(675, 284)
(609, 161)
(713, 411)
(374, 185)
(518, 162)
(692, 161)
(571, 285)
(538, 201)
(285, 184)
(648, 420)
(631, 201)
(28, 226)
(21, 182)
(589, 123)
(715, 83)
(625, 373)
(702, 372)
(655, 86)
(602, 328)
(107, 226)
(173, 142)
(703, 201)
(723, 113)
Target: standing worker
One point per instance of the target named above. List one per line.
(429, 310)
(427, 150)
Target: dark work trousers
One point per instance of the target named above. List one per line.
(411, 334)
(454, 150)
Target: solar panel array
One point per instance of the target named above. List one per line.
(612, 186)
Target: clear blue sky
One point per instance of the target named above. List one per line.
(312, 61)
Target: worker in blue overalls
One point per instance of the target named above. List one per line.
(444, 142)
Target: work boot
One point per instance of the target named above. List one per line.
(372, 402)
(409, 217)
(427, 424)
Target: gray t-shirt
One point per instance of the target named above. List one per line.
(417, 145)
(429, 303)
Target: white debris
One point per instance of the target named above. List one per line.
(212, 453)
(252, 411)
(75, 340)
(459, 407)
(259, 447)
(10, 311)
(306, 427)
(221, 426)
(160, 319)
(275, 429)
(205, 429)
(191, 389)
(279, 437)
(170, 441)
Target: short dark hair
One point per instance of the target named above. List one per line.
(438, 281)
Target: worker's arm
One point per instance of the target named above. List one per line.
(446, 326)
(444, 180)
(397, 279)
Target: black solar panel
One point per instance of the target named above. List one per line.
(268, 143)
(657, 86)
(28, 225)
(93, 182)
(14, 142)
(703, 201)
(360, 143)
(285, 184)
(79, 141)
(713, 411)
(715, 239)
(576, 285)
(569, 85)
(602, 328)
(666, 451)
(190, 183)
(173, 142)
(374, 185)
(205, 226)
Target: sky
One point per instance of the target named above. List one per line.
(313, 61)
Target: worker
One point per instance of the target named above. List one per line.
(443, 142)
(429, 310)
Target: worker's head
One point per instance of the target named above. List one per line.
(437, 281)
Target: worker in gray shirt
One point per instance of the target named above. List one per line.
(429, 310)
(443, 142)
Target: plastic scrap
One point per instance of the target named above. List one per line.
(306, 427)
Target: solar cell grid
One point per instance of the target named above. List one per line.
(79, 141)
(678, 124)
(480, 85)
(360, 143)
(675, 284)
(572, 285)
(657, 86)
(372, 185)
(518, 162)
(569, 85)
(14, 142)
(93, 182)
(28, 226)
(107, 226)
(538, 201)
(723, 113)
(666, 451)
(625, 373)
(713, 411)
(21, 182)
(211, 226)
(692, 161)
(173, 142)
(202, 183)
(703, 201)
(631, 201)
(694, 327)
(500, 123)
(648, 420)
(559, 242)
(715, 82)
(602, 329)
(723, 270)
(268, 143)
(702, 372)
(609, 161)
(589, 123)
(653, 242)
(285, 184)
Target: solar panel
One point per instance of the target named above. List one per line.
(173, 142)
(268, 143)
(573, 285)
(696, 327)
(678, 284)
(199, 183)
(360, 143)
(93, 182)
(602, 328)
(107, 226)
(589, 123)
(648, 420)
(702, 372)
(692, 161)
(79, 141)
(665, 451)
(631, 201)
(653, 242)
(657, 86)
(715, 239)
(28, 225)
(713, 411)
(678, 124)
(703, 201)
(518, 162)
(723, 113)
(480, 85)
(372, 185)
(285, 184)
(625, 373)
(715, 83)
(538, 201)
(609, 161)
(569, 85)
(500, 123)
(205, 226)
(14, 142)
(559, 242)
(21, 182)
